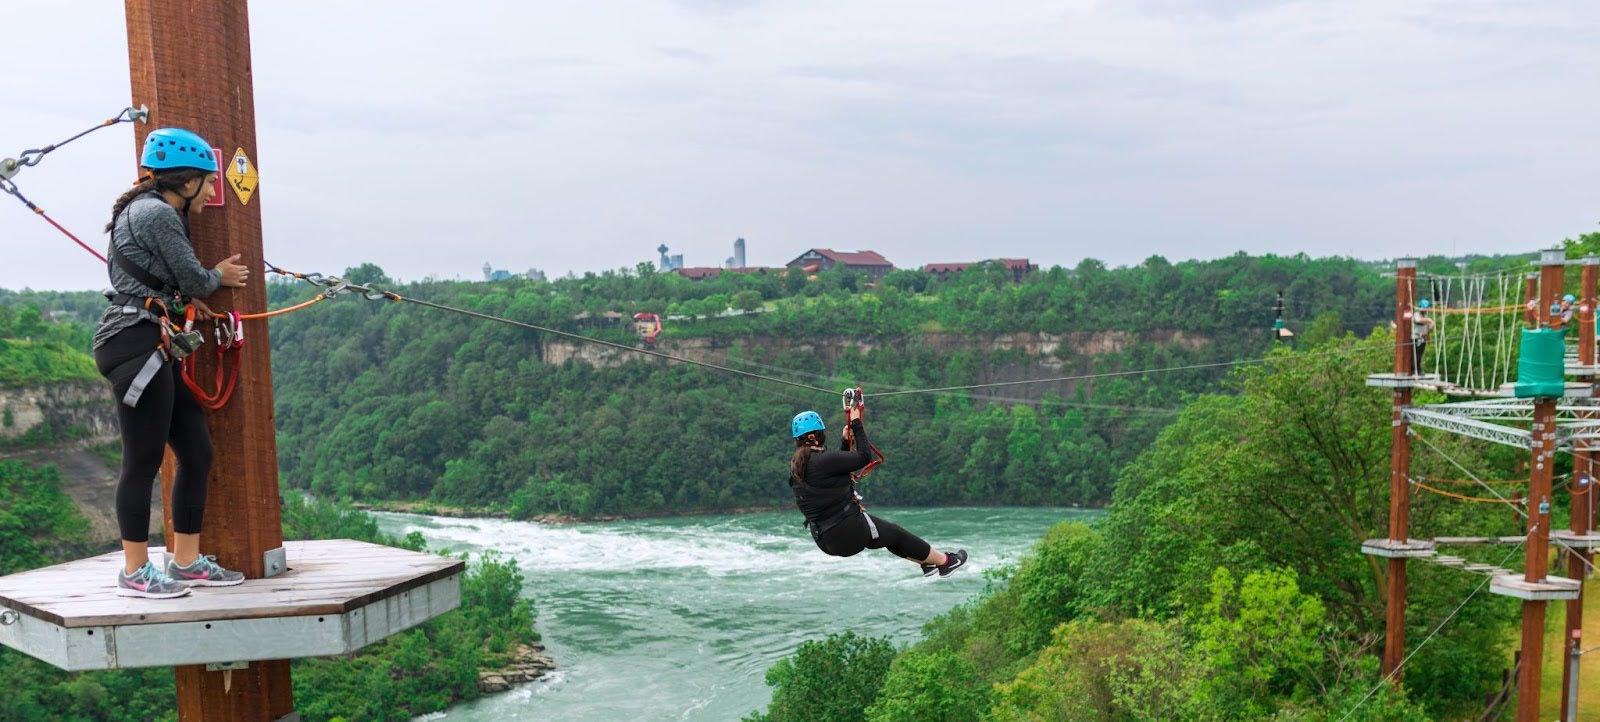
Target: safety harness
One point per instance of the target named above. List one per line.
(853, 399)
(177, 343)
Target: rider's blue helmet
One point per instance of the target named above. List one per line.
(1424, 303)
(167, 148)
(805, 422)
(1569, 298)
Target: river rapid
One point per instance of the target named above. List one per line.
(679, 619)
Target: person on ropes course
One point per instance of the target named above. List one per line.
(1421, 326)
(824, 486)
(137, 347)
(1563, 311)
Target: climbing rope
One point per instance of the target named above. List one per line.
(1514, 505)
(1462, 497)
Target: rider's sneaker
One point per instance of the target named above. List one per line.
(149, 582)
(953, 561)
(929, 570)
(204, 571)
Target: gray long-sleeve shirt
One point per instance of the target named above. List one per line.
(151, 235)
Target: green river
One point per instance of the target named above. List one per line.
(679, 619)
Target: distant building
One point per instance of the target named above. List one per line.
(668, 263)
(816, 260)
(1019, 267)
(737, 260)
(490, 273)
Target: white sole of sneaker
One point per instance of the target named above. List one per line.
(123, 592)
(209, 583)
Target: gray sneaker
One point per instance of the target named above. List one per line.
(149, 582)
(204, 572)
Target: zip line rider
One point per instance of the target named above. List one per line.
(824, 488)
(137, 347)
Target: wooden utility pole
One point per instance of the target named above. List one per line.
(1582, 512)
(1552, 265)
(190, 63)
(1394, 639)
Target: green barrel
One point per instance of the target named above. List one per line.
(1541, 369)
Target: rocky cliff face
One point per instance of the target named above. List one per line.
(83, 406)
(1050, 354)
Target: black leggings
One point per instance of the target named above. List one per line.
(166, 414)
(849, 537)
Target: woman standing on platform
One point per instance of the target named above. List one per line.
(1421, 328)
(137, 348)
(825, 491)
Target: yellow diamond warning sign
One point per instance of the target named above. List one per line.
(242, 176)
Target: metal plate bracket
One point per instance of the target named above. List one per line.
(274, 562)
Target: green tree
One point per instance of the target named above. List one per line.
(831, 680)
(939, 687)
(1260, 640)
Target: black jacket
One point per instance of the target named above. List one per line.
(827, 494)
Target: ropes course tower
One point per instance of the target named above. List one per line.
(1461, 336)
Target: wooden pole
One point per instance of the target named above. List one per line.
(1394, 639)
(1553, 264)
(1579, 558)
(190, 62)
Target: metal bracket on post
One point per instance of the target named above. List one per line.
(274, 562)
(225, 666)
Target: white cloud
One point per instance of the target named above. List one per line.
(429, 137)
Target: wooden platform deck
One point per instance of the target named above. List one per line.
(1551, 588)
(337, 596)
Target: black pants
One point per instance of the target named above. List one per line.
(166, 414)
(1419, 347)
(849, 537)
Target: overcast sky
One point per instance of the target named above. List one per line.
(430, 137)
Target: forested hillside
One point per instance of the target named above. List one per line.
(379, 400)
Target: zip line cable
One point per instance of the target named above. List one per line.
(10, 167)
(31, 157)
(1428, 638)
(374, 294)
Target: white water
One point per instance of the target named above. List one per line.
(679, 619)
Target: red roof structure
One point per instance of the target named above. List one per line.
(870, 263)
(698, 272)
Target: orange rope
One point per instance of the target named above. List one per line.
(1470, 481)
(1480, 499)
(1489, 309)
(281, 311)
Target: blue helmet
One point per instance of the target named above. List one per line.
(805, 422)
(1569, 298)
(168, 148)
(1424, 303)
